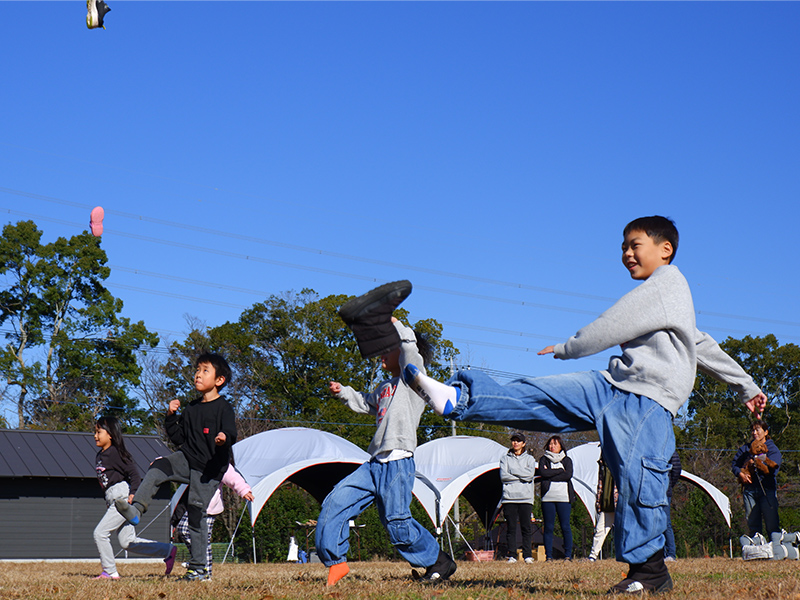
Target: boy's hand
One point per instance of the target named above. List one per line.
(130, 499)
(249, 496)
(335, 387)
(220, 439)
(757, 404)
(548, 350)
(744, 477)
(174, 406)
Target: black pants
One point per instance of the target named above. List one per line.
(518, 512)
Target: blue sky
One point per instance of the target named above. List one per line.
(489, 152)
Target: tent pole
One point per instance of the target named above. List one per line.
(253, 530)
(234, 535)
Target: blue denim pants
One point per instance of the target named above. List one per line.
(389, 485)
(760, 503)
(549, 512)
(635, 434)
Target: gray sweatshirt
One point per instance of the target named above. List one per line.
(661, 346)
(516, 473)
(395, 405)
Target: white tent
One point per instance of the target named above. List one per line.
(314, 460)
(585, 472)
(450, 466)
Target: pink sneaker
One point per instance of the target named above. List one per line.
(105, 575)
(170, 560)
(96, 221)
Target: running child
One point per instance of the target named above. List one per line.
(205, 432)
(388, 477)
(119, 478)
(631, 404)
(234, 480)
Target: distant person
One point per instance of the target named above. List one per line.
(755, 466)
(387, 478)
(205, 432)
(605, 504)
(234, 480)
(631, 404)
(555, 472)
(119, 477)
(670, 551)
(517, 469)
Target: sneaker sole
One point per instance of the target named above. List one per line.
(396, 291)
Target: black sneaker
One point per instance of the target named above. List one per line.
(369, 316)
(647, 577)
(96, 10)
(442, 569)
(196, 575)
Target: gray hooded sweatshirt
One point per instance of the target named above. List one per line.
(662, 348)
(516, 473)
(396, 406)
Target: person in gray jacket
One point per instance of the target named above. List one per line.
(631, 403)
(388, 477)
(517, 469)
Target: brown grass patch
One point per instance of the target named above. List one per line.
(695, 579)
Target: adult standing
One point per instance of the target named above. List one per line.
(755, 466)
(605, 504)
(670, 551)
(555, 470)
(517, 469)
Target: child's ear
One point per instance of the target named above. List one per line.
(666, 250)
(217, 381)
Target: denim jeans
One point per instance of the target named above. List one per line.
(389, 486)
(549, 511)
(758, 504)
(635, 432)
(669, 534)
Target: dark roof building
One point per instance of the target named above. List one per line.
(50, 500)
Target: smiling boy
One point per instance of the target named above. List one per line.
(631, 404)
(204, 432)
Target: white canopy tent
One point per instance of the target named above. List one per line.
(585, 472)
(450, 466)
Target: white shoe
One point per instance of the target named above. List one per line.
(511, 559)
(530, 560)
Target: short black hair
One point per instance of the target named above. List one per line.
(424, 347)
(659, 229)
(221, 366)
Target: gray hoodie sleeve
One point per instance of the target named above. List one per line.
(357, 401)
(714, 361)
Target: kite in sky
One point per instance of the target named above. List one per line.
(96, 221)
(95, 11)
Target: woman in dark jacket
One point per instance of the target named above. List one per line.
(555, 470)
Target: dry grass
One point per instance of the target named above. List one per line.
(695, 579)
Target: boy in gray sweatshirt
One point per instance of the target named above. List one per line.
(631, 404)
(388, 477)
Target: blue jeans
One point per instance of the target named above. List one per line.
(549, 511)
(669, 534)
(635, 434)
(758, 504)
(389, 486)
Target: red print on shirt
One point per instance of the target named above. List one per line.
(386, 393)
(205, 429)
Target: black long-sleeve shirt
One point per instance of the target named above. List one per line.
(112, 469)
(194, 431)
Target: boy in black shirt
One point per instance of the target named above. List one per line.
(205, 432)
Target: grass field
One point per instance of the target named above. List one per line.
(716, 578)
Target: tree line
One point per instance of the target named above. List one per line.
(69, 357)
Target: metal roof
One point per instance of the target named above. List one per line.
(30, 453)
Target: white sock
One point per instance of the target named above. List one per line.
(442, 398)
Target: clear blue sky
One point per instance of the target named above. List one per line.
(489, 152)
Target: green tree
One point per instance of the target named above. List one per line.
(69, 355)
